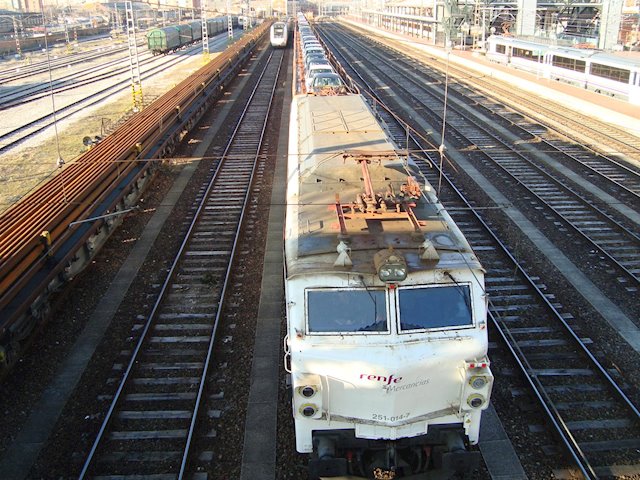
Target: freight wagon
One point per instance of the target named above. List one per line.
(172, 38)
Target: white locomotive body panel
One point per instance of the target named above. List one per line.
(383, 359)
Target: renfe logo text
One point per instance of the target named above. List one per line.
(379, 378)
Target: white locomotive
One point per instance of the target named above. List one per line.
(386, 309)
(279, 34)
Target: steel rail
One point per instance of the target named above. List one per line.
(22, 73)
(541, 110)
(592, 129)
(24, 94)
(550, 179)
(61, 84)
(227, 274)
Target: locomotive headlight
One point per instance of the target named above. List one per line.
(307, 396)
(308, 410)
(391, 266)
(478, 381)
(307, 391)
(475, 401)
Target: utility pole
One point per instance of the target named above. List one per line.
(134, 64)
(229, 21)
(17, 37)
(118, 25)
(66, 35)
(637, 38)
(484, 26)
(205, 32)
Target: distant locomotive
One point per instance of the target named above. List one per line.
(279, 34)
(386, 339)
(172, 38)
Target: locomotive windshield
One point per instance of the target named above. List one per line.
(347, 311)
(356, 310)
(434, 307)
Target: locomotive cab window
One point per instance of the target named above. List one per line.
(347, 311)
(434, 308)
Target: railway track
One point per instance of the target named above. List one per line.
(582, 129)
(620, 243)
(23, 71)
(593, 416)
(592, 133)
(15, 95)
(612, 233)
(551, 354)
(152, 420)
(11, 138)
(609, 171)
(26, 93)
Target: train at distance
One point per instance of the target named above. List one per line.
(386, 342)
(279, 34)
(30, 43)
(591, 69)
(169, 39)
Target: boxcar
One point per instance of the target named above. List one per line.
(196, 30)
(184, 31)
(163, 40)
(214, 26)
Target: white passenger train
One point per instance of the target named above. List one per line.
(386, 339)
(279, 34)
(597, 71)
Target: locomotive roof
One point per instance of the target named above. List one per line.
(335, 136)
